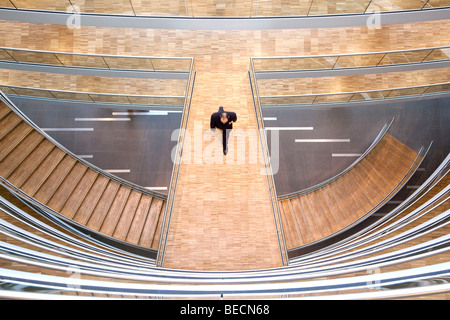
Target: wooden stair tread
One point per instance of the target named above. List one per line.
(103, 205)
(91, 200)
(137, 226)
(78, 194)
(20, 153)
(126, 218)
(326, 210)
(56, 179)
(119, 202)
(43, 170)
(152, 223)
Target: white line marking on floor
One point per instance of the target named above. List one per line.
(322, 140)
(156, 188)
(289, 128)
(118, 170)
(147, 113)
(102, 119)
(346, 154)
(67, 129)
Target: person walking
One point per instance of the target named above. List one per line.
(223, 120)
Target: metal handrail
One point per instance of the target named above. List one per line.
(305, 271)
(349, 253)
(176, 166)
(348, 54)
(90, 92)
(114, 270)
(356, 92)
(367, 282)
(268, 167)
(353, 93)
(98, 55)
(103, 56)
(252, 12)
(74, 247)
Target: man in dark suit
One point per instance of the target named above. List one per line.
(224, 121)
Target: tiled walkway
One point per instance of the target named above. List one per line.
(222, 217)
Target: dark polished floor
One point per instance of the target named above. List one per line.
(141, 146)
(301, 165)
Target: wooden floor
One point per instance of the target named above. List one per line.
(222, 218)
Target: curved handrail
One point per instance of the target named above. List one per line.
(421, 250)
(420, 156)
(77, 227)
(176, 167)
(102, 56)
(89, 95)
(359, 238)
(377, 139)
(353, 93)
(305, 271)
(348, 55)
(251, 14)
(78, 248)
(268, 166)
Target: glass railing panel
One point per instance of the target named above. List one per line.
(355, 61)
(129, 63)
(359, 96)
(280, 100)
(280, 8)
(313, 63)
(394, 5)
(287, 64)
(224, 8)
(7, 90)
(438, 88)
(5, 56)
(166, 101)
(404, 57)
(33, 92)
(375, 94)
(34, 57)
(171, 64)
(438, 3)
(438, 54)
(6, 4)
(334, 98)
(406, 92)
(71, 95)
(321, 7)
(74, 60)
(51, 5)
(161, 8)
(110, 98)
(220, 8)
(110, 7)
